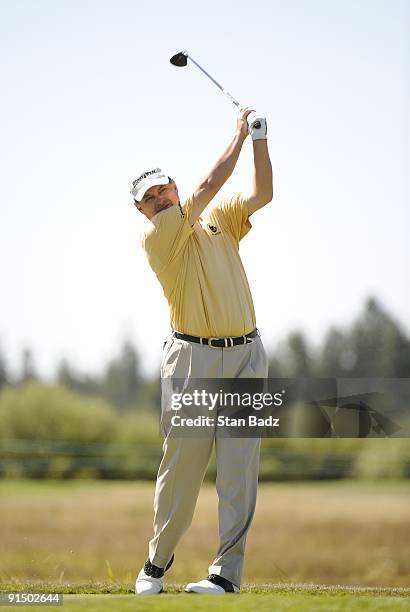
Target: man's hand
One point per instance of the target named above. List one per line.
(257, 126)
(242, 123)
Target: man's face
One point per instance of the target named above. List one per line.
(157, 198)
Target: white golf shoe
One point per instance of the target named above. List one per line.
(214, 584)
(150, 580)
(147, 585)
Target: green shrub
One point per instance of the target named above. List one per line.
(36, 411)
(383, 458)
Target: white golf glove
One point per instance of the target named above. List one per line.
(257, 126)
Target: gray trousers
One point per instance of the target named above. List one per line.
(185, 460)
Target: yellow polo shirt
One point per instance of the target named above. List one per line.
(200, 269)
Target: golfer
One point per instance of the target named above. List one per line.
(213, 335)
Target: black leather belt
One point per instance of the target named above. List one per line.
(217, 342)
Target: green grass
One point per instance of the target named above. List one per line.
(292, 598)
(84, 537)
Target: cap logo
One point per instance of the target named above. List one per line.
(144, 175)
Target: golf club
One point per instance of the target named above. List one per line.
(181, 59)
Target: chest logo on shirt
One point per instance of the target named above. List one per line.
(213, 229)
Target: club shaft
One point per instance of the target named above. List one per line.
(227, 94)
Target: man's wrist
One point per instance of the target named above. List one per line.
(240, 136)
(260, 143)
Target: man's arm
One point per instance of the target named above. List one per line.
(211, 184)
(262, 190)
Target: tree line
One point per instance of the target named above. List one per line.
(107, 425)
(373, 345)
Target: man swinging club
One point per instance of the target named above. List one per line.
(214, 335)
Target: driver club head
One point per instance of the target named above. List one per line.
(179, 59)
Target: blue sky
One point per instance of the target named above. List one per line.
(89, 100)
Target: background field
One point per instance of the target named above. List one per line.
(85, 532)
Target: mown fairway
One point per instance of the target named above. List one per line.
(68, 534)
(295, 598)
(255, 600)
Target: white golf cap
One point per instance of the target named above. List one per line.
(146, 180)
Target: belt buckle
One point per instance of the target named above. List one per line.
(210, 342)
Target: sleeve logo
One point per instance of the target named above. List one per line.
(213, 229)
